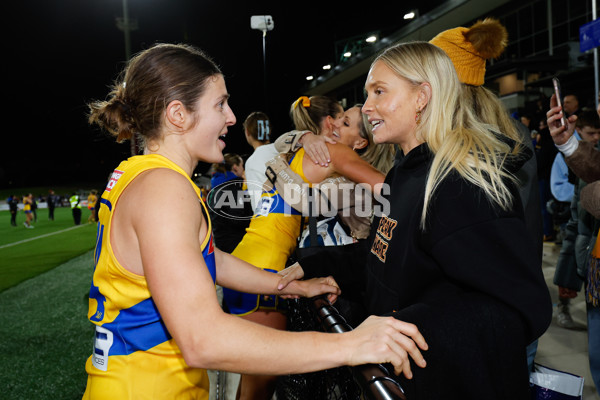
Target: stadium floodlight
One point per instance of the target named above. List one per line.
(262, 23)
(412, 14)
(371, 39)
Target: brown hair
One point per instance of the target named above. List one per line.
(309, 117)
(258, 126)
(587, 117)
(149, 82)
(230, 159)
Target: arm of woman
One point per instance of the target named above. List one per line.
(585, 162)
(314, 145)
(183, 290)
(590, 198)
(348, 163)
(237, 274)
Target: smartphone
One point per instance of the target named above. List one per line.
(558, 93)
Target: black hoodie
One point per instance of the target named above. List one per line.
(471, 282)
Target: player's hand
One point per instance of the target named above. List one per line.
(387, 340)
(313, 287)
(290, 274)
(315, 147)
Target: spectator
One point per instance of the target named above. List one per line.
(545, 154)
(571, 104)
(584, 159)
(13, 206)
(258, 132)
(417, 268)
(52, 200)
(566, 277)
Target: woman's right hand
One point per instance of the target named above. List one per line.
(560, 134)
(315, 147)
(386, 340)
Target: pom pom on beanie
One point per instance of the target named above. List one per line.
(469, 48)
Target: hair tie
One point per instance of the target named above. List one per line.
(305, 102)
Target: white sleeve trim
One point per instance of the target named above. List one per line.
(569, 147)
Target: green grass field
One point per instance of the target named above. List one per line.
(46, 336)
(25, 253)
(45, 275)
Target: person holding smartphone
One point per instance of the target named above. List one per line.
(584, 158)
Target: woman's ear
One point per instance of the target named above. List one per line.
(424, 95)
(176, 114)
(327, 124)
(360, 143)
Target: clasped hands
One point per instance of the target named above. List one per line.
(376, 337)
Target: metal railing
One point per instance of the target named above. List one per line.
(374, 379)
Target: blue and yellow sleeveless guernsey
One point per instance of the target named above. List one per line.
(270, 239)
(134, 356)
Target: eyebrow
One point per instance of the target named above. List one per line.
(223, 98)
(376, 83)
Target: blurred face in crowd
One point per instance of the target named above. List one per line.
(238, 169)
(589, 134)
(570, 104)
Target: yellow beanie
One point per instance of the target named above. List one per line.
(468, 48)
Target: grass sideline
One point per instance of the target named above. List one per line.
(25, 253)
(45, 276)
(43, 190)
(46, 337)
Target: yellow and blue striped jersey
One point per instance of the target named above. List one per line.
(134, 356)
(269, 241)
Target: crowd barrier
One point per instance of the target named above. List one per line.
(374, 379)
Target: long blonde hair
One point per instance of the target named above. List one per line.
(458, 139)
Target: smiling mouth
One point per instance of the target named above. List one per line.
(336, 134)
(375, 123)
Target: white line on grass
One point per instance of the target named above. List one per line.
(41, 236)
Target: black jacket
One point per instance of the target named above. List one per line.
(471, 282)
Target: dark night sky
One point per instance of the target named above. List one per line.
(64, 53)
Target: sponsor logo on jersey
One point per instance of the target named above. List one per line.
(113, 179)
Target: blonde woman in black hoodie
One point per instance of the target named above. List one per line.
(453, 254)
